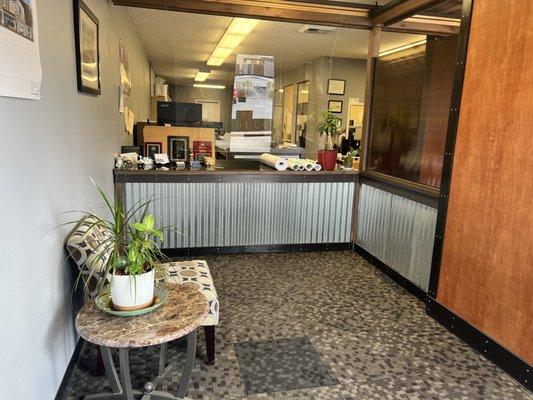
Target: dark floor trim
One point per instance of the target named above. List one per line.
(62, 390)
(490, 349)
(513, 365)
(276, 248)
(407, 284)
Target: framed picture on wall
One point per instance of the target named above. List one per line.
(178, 148)
(152, 148)
(336, 86)
(87, 48)
(335, 106)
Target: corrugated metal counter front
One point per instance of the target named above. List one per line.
(246, 208)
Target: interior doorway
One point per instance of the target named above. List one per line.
(288, 114)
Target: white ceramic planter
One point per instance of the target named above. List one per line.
(132, 292)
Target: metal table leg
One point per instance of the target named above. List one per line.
(189, 363)
(122, 389)
(110, 370)
(163, 358)
(112, 376)
(125, 377)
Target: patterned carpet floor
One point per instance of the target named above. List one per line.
(324, 325)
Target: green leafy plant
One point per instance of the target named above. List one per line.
(351, 156)
(129, 245)
(328, 125)
(142, 252)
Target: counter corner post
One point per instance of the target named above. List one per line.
(119, 192)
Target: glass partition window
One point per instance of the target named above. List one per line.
(410, 105)
(301, 112)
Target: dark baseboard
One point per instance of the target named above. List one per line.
(407, 284)
(490, 349)
(62, 390)
(277, 248)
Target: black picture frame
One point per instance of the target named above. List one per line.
(151, 148)
(337, 92)
(178, 148)
(333, 106)
(83, 13)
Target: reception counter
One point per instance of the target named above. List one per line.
(243, 206)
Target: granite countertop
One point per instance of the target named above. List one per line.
(182, 313)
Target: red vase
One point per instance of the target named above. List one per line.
(328, 159)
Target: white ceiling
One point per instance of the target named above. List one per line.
(178, 44)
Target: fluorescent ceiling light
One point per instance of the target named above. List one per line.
(230, 41)
(221, 52)
(242, 26)
(207, 86)
(201, 76)
(216, 61)
(404, 47)
(236, 32)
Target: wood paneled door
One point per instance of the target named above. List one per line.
(487, 263)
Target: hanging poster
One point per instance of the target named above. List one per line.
(253, 101)
(20, 68)
(125, 78)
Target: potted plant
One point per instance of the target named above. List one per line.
(130, 253)
(329, 125)
(132, 281)
(351, 157)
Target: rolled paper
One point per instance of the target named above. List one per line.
(309, 165)
(274, 161)
(294, 164)
(314, 165)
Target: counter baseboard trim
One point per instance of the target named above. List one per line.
(274, 248)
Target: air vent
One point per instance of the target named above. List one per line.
(316, 29)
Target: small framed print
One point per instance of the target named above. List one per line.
(161, 158)
(200, 156)
(336, 86)
(335, 106)
(178, 148)
(86, 38)
(151, 148)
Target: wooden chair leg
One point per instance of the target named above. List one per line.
(210, 343)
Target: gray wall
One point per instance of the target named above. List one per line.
(318, 72)
(189, 94)
(50, 148)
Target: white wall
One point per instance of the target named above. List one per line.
(49, 149)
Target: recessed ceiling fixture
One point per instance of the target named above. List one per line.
(207, 86)
(404, 47)
(201, 75)
(237, 31)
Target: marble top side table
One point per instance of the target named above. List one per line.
(179, 316)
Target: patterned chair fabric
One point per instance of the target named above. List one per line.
(85, 247)
(194, 274)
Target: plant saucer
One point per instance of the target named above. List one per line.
(104, 303)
